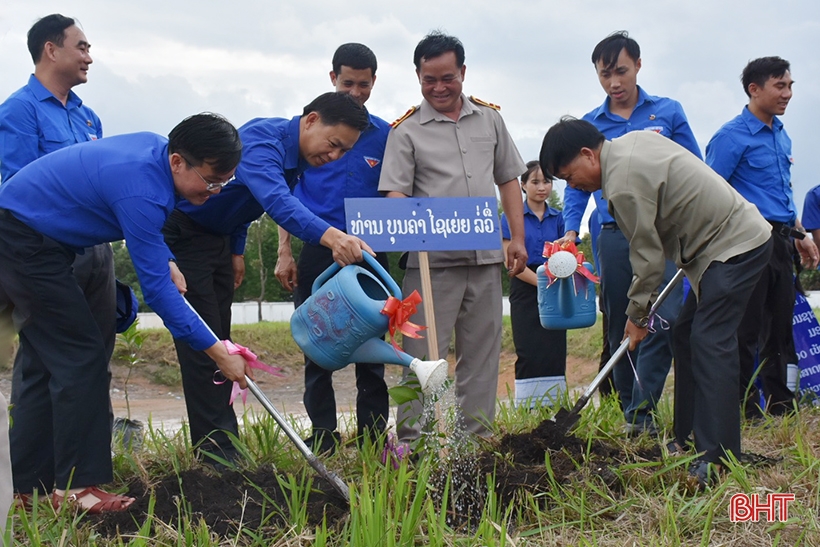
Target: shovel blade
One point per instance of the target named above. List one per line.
(566, 419)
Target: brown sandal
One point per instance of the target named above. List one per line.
(109, 503)
(22, 500)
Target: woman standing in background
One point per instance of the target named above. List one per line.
(540, 369)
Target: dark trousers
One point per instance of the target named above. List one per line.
(205, 261)
(766, 333)
(653, 357)
(707, 366)
(319, 398)
(540, 352)
(60, 429)
(94, 272)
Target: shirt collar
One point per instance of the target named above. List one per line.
(42, 94)
(754, 124)
(643, 97)
(548, 212)
(428, 113)
(293, 160)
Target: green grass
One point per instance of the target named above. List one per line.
(398, 507)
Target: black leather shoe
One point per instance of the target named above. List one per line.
(703, 474)
(324, 442)
(639, 428)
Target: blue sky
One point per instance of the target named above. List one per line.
(157, 62)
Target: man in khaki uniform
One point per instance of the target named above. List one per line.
(670, 204)
(452, 146)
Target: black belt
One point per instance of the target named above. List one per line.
(609, 226)
(785, 230)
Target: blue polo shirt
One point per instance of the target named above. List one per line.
(756, 160)
(811, 209)
(659, 114)
(270, 168)
(33, 123)
(536, 231)
(97, 192)
(355, 175)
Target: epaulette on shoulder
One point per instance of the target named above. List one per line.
(405, 116)
(476, 100)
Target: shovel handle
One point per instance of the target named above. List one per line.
(337, 483)
(622, 349)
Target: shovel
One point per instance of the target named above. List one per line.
(334, 480)
(567, 419)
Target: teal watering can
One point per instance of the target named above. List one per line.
(343, 322)
(566, 290)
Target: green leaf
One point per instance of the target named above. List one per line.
(403, 394)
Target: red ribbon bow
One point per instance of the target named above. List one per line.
(253, 362)
(399, 312)
(554, 247)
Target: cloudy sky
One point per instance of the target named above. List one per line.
(156, 62)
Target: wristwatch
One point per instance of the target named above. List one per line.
(641, 322)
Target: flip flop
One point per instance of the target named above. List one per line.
(109, 503)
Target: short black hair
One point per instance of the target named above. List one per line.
(609, 48)
(207, 138)
(531, 167)
(356, 56)
(760, 70)
(437, 43)
(50, 28)
(335, 108)
(564, 141)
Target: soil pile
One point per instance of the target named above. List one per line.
(254, 499)
(519, 463)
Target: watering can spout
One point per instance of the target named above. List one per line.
(431, 374)
(379, 351)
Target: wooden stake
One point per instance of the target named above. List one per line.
(429, 310)
(432, 336)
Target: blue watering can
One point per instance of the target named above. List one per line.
(566, 298)
(342, 323)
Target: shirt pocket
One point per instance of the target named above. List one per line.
(55, 137)
(762, 159)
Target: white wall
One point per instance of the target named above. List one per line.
(247, 312)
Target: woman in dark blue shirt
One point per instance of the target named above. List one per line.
(540, 369)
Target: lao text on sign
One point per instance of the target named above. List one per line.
(425, 224)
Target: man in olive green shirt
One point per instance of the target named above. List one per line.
(669, 204)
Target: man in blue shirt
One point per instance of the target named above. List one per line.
(46, 115)
(811, 213)
(121, 187)
(754, 154)
(209, 241)
(617, 60)
(323, 191)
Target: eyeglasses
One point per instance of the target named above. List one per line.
(210, 186)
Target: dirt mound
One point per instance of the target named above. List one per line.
(519, 463)
(255, 499)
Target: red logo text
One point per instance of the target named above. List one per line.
(746, 507)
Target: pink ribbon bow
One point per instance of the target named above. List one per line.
(253, 362)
